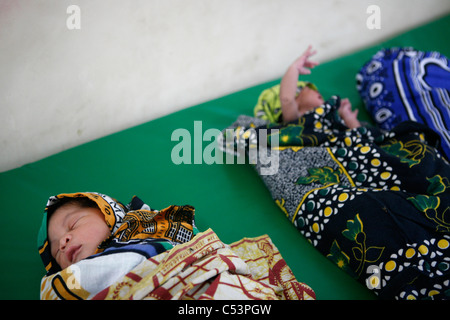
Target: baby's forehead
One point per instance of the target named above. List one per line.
(64, 210)
(62, 216)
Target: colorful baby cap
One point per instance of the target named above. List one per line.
(268, 106)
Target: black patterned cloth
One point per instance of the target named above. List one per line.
(374, 202)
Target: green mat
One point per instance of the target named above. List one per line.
(229, 198)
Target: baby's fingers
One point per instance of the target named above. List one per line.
(309, 52)
(311, 64)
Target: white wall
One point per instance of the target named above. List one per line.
(136, 60)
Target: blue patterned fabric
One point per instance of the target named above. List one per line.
(400, 84)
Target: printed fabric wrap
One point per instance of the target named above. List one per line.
(375, 203)
(161, 255)
(207, 269)
(268, 106)
(400, 84)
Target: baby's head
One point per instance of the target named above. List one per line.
(308, 97)
(75, 229)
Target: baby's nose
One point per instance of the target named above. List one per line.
(64, 241)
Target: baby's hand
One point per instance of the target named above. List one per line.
(303, 64)
(345, 107)
(349, 116)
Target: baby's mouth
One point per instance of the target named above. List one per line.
(72, 253)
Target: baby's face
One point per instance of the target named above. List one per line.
(308, 99)
(75, 233)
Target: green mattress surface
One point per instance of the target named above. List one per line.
(229, 198)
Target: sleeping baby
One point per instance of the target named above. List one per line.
(95, 247)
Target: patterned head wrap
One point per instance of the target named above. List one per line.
(131, 223)
(269, 104)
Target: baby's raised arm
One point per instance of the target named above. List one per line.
(288, 87)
